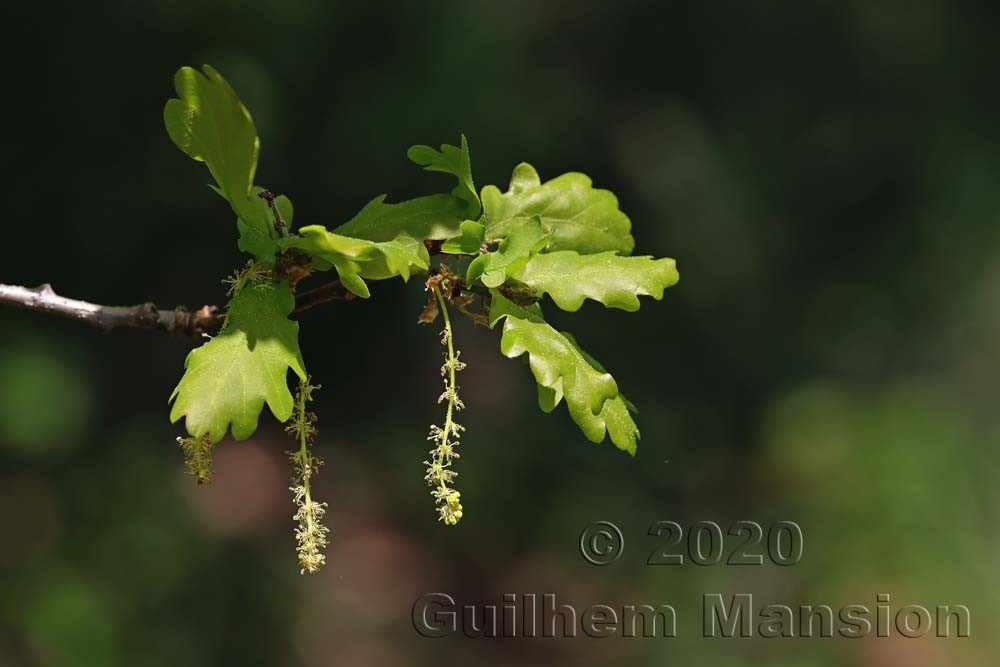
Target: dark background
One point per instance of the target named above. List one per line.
(825, 174)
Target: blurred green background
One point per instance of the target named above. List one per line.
(825, 174)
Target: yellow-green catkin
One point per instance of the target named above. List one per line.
(198, 457)
(310, 534)
(440, 475)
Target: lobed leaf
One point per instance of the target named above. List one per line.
(615, 281)
(495, 267)
(208, 122)
(598, 366)
(228, 379)
(451, 160)
(468, 242)
(616, 411)
(259, 238)
(355, 259)
(562, 371)
(436, 217)
(578, 216)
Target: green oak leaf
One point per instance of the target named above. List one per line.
(211, 125)
(468, 242)
(621, 427)
(208, 122)
(401, 256)
(562, 371)
(599, 366)
(615, 281)
(257, 243)
(228, 379)
(436, 217)
(615, 413)
(259, 238)
(355, 259)
(451, 160)
(493, 268)
(578, 216)
(285, 210)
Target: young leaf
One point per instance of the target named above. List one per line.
(561, 371)
(228, 379)
(468, 242)
(355, 259)
(615, 415)
(578, 216)
(495, 267)
(211, 125)
(434, 217)
(285, 209)
(616, 281)
(259, 238)
(598, 366)
(451, 160)
(401, 256)
(256, 242)
(622, 429)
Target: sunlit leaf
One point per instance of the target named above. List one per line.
(469, 242)
(451, 160)
(209, 123)
(578, 216)
(259, 238)
(493, 268)
(562, 371)
(436, 217)
(355, 259)
(615, 281)
(228, 379)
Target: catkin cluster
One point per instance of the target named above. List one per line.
(198, 457)
(310, 534)
(440, 475)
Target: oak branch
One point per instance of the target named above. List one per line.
(179, 321)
